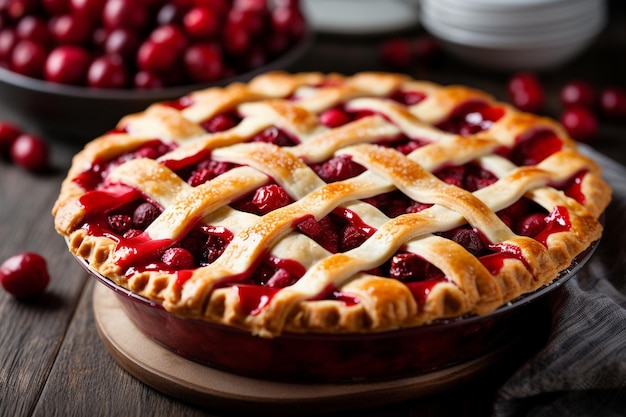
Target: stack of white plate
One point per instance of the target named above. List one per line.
(514, 34)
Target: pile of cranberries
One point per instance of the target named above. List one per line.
(581, 103)
(144, 44)
(24, 149)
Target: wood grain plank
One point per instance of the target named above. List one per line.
(85, 380)
(31, 331)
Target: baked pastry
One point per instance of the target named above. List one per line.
(334, 204)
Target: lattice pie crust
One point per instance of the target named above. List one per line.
(344, 291)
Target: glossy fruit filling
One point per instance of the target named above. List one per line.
(123, 214)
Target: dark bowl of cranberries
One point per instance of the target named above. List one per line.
(73, 68)
(463, 345)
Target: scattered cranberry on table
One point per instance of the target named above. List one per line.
(144, 44)
(577, 93)
(30, 152)
(580, 122)
(526, 92)
(26, 150)
(613, 102)
(8, 134)
(24, 275)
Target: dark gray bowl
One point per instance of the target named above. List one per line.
(79, 114)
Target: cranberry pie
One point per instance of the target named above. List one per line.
(332, 204)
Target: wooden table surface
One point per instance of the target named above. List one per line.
(52, 361)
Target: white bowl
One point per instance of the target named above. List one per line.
(578, 31)
(499, 21)
(535, 58)
(552, 40)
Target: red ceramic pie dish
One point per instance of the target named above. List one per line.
(350, 357)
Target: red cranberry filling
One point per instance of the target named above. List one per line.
(338, 168)
(471, 117)
(408, 98)
(206, 170)
(324, 232)
(264, 200)
(276, 136)
(221, 122)
(470, 177)
(94, 175)
(181, 103)
(534, 146)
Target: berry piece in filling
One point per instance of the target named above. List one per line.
(338, 168)
(471, 117)
(144, 215)
(534, 146)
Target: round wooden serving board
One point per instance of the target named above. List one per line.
(171, 374)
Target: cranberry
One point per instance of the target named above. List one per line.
(531, 225)
(613, 102)
(220, 123)
(254, 20)
(119, 223)
(334, 118)
(201, 22)
(534, 146)
(577, 93)
(469, 239)
(351, 237)
(169, 13)
(178, 258)
(525, 92)
(171, 35)
(235, 38)
(339, 168)
(471, 117)
(144, 215)
(30, 152)
(270, 198)
(213, 248)
(289, 20)
(207, 171)
(281, 279)
(8, 39)
(16, 9)
(407, 266)
(8, 134)
(88, 9)
(34, 29)
(408, 98)
(156, 57)
(204, 62)
(124, 13)
(28, 58)
(67, 65)
(453, 175)
(24, 275)
(396, 53)
(580, 123)
(323, 232)
(70, 29)
(107, 72)
(273, 135)
(123, 42)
